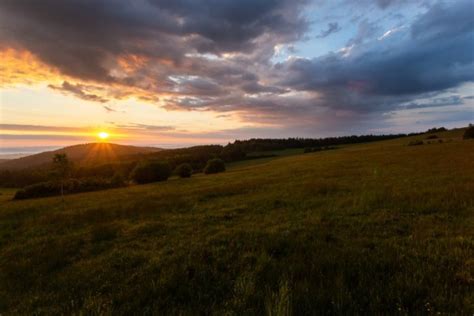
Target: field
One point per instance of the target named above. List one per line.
(379, 228)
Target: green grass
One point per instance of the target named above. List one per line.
(380, 228)
(277, 154)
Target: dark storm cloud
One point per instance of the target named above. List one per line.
(436, 55)
(82, 37)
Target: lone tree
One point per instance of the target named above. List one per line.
(61, 170)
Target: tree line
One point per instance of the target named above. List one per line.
(195, 158)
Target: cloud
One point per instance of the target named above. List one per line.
(110, 109)
(365, 31)
(218, 55)
(84, 38)
(26, 127)
(383, 4)
(80, 92)
(453, 100)
(378, 75)
(138, 126)
(333, 27)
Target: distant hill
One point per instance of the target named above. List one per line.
(80, 154)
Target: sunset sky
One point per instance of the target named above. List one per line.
(182, 72)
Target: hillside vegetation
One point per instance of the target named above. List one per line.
(380, 228)
(105, 160)
(83, 154)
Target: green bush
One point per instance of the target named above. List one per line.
(151, 171)
(118, 179)
(469, 133)
(184, 170)
(42, 189)
(53, 188)
(214, 166)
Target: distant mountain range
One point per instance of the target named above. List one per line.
(84, 154)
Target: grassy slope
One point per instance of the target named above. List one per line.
(371, 228)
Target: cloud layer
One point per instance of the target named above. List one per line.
(219, 55)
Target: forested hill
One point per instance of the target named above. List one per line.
(80, 154)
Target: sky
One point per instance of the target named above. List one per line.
(174, 73)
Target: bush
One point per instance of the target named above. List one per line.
(432, 137)
(45, 189)
(37, 190)
(469, 133)
(151, 171)
(437, 129)
(214, 166)
(415, 143)
(118, 179)
(184, 170)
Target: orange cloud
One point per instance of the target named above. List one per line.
(132, 62)
(22, 67)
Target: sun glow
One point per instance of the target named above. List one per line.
(103, 135)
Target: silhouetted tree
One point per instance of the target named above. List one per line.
(61, 170)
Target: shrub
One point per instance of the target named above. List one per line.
(37, 190)
(118, 179)
(415, 143)
(44, 189)
(151, 171)
(214, 166)
(469, 133)
(184, 170)
(437, 129)
(432, 137)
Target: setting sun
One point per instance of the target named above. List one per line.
(103, 135)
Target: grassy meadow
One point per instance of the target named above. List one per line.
(379, 228)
